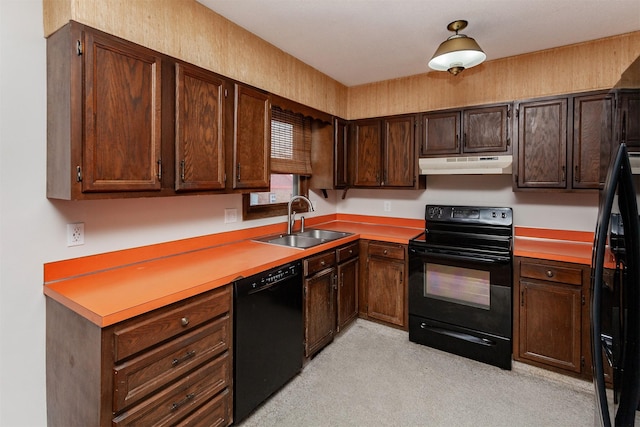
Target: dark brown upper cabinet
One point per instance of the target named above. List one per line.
(560, 141)
(383, 152)
(199, 128)
(251, 139)
(475, 130)
(104, 112)
(329, 154)
(629, 118)
(592, 135)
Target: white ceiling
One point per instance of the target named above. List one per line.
(363, 41)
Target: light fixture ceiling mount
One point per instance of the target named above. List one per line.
(457, 52)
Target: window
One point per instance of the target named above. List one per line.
(290, 167)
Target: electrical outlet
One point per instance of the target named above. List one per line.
(75, 234)
(387, 206)
(230, 215)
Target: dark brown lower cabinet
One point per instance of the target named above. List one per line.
(347, 296)
(551, 315)
(383, 295)
(169, 366)
(319, 301)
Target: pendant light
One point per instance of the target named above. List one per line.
(457, 52)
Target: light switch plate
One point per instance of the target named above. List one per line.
(230, 215)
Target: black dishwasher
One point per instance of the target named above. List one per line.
(267, 335)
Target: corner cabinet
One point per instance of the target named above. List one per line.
(483, 129)
(169, 366)
(560, 140)
(383, 153)
(551, 315)
(383, 293)
(104, 111)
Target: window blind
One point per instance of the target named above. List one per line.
(290, 143)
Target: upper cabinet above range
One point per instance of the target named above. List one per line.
(126, 121)
(472, 131)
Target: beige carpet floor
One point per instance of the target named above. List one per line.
(372, 375)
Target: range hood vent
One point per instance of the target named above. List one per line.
(474, 165)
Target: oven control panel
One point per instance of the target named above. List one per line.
(469, 214)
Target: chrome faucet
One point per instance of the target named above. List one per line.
(291, 217)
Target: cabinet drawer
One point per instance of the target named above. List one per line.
(214, 413)
(347, 252)
(132, 337)
(386, 250)
(139, 377)
(319, 262)
(181, 398)
(552, 273)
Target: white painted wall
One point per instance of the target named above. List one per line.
(32, 228)
(569, 211)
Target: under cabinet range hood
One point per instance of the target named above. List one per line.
(473, 165)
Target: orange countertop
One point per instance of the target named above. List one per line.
(556, 245)
(115, 293)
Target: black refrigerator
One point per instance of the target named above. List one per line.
(615, 298)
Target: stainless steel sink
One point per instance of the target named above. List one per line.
(306, 239)
(327, 235)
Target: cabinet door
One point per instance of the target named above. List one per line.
(399, 155)
(550, 324)
(340, 157)
(385, 290)
(347, 292)
(486, 130)
(251, 139)
(122, 137)
(367, 158)
(199, 129)
(542, 144)
(630, 119)
(592, 139)
(319, 308)
(440, 133)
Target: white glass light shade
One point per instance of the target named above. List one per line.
(457, 52)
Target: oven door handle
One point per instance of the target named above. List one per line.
(459, 335)
(447, 255)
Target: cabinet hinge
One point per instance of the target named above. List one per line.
(582, 363)
(78, 174)
(225, 177)
(583, 300)
(78, 47)
(508, 113)
(159, 170)
(517, 113)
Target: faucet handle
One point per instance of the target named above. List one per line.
(302, 224)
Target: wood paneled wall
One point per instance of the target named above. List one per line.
(581, 67)
(187, 30)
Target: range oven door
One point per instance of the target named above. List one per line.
(461, 304)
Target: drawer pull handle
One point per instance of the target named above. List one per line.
(350, 251)
(187, 398)
(188, 355)
(549, 273)
(184, 321)
(322, 263)
(385, 252)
